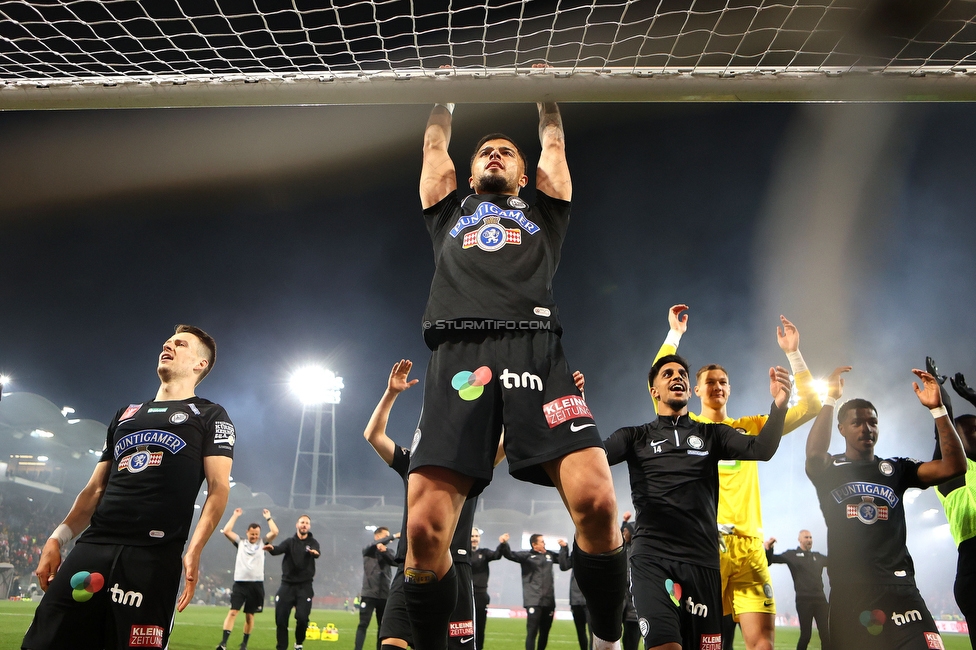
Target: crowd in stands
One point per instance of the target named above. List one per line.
(24, 528)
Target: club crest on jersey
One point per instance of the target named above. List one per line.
(169, 441)
(886, 468)
(492, 236)
(695, 442)
(866, 511)
(140, 460)
(487, 209)
(178, 418)
(517, 203)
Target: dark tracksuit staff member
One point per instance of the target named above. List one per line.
(631, 638)
(806, 566)
(673, 465)
(480, 557)
(377, 561)
(297, 570)
(538, 589)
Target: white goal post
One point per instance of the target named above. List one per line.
(57, 54)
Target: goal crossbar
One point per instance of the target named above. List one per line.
(491, 86)
(61, 54)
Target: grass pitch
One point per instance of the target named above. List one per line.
(198, 628)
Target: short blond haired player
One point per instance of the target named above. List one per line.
(747, 591)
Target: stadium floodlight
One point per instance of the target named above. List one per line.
(43, 459)
(4, 379)
(315, 385)
(66, 411)
(41, 433)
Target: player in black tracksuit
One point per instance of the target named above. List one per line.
(376, 583)
(497, 363)
(538, 589)
(395, 629)
(806, 567)
(297, 570)
(118, 586)
(480, 558)
(874, 602)
(673, 465)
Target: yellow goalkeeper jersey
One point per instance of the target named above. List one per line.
(738, 495)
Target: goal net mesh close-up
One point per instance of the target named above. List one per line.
(118, 53)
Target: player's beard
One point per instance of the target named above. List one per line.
(677, 404)
(492, 184)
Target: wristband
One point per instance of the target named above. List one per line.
(829, 401)
(63, 534)
(673, 338)
(449, 106)
(939, 412)
(267, 518)
(797, 364)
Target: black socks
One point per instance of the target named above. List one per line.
(603, 580)
(429, 605)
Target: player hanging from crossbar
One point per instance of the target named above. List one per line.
(497, 361)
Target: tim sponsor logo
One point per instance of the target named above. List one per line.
(133, 598)
(525, 380)
(911, 616)
(696, 609)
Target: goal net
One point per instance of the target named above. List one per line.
(117, 53)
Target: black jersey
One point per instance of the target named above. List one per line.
(673, 465)
(862, 505)
(299, 564)
(806, 567)
(538, 588)
(156, 451)
(494, 260)
(376, 570)
(479, 567)
(401, 465)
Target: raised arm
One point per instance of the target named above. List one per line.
(808, 405)
(77, 520)
(272, 526)
(677, 326)
(963, 389)
(953, 461)
(228, 529)
(217, 471)
(375, 432)
(764, 445)
(818, 441)
(437, 177)
(563, 559)
(552, 175)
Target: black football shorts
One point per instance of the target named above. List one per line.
(109, 596)
(677, 602)
(516, 381)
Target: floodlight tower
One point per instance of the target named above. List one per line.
(315, 386)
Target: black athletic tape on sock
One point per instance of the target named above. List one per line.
(603, 580)
(429, 606)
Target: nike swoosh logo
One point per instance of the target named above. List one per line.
(470, 638)
(574, 428)
(658, 442)
(838, 463)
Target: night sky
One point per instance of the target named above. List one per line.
(295, 235)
